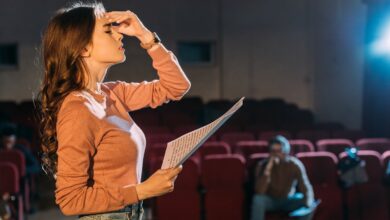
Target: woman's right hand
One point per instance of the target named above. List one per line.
(160, 183)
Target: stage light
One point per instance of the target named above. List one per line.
(381, 46)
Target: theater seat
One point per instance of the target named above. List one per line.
(184, 202)
(9, 183)
(368, 200)
(16, 157)
(300, 145)
(386, 161)
(223, 178)
(335, 146)
(247, 148)
(322, 172)
(214, 148)
(379, 145)
(232, 138)
(386, 158)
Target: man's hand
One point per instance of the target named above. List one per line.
(268, 168)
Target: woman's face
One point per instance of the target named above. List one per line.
(106, 47)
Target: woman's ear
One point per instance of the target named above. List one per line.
(86, 52)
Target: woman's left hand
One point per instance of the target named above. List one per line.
(129, 24)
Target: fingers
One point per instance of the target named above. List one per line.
(120, 16)
(178, 169)
(171, 172)
(120, 28)
(166, 179)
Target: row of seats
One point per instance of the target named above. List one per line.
(246, 143)
(220, 187)
(236, 143)
(260, 133)
(192, 110)
(235, 136)
(255, 115)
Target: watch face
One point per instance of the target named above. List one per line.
(156, 38)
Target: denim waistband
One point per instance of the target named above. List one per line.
(129, 208)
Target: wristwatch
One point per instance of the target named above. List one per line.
(150, 44)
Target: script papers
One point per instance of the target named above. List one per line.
(180, 149)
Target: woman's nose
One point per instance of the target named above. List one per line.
(120, 36)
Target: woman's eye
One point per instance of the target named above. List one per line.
(109, 32)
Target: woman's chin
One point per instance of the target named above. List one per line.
(121, 60)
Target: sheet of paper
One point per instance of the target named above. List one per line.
(180, 149)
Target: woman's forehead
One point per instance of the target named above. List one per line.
(276, 146)
(102, 22)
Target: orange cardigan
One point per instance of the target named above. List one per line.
(100, 148)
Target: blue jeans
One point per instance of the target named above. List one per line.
(262, 203)
(131, 212)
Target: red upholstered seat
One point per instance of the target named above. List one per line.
(214, 148)
(322, 172)
(184, 202)
(232, 138)
(386, 158)
(16, 157)
(379, 145)
(247, 148)
(9, 183)
(223, 178)
(335, 146)
(368, 200)
(301, 145)
(386, 162)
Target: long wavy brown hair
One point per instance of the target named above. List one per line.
(68, 32)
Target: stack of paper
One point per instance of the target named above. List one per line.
(180, 149)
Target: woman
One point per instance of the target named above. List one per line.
(90, 143)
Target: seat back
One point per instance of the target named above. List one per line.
(184, 202)
(16, 157)
(368, 200)
(214, 148)
(335, 146)
(232, 138)
(9, 177)
(379, 145)
(247, 148)
(223, 178)
(322, 172)
(301, 145)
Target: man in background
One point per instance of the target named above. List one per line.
(281, 183)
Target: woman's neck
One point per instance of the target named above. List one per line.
(97, 73)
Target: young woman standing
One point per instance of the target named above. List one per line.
(90, 143)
